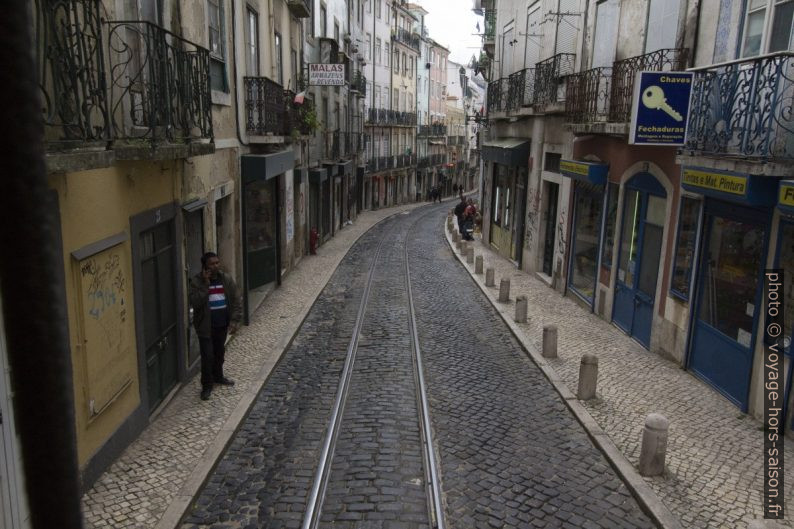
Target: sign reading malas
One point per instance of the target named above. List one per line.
(660, 108)
(326, 74)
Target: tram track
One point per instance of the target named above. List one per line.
(314, 507)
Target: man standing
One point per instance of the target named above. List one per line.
(216, 312)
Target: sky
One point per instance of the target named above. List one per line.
(452, 24)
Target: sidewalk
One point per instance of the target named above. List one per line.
(714, 465)
(155, 479)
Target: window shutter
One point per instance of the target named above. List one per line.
(662, 25)
(568, 27)
(534, 38)
(605, 33)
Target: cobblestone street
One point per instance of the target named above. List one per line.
(511, 454)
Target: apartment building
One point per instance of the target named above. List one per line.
(663, 230)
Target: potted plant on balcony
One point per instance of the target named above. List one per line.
(307, 121)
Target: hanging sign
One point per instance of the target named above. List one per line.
(660, 108)
(326, 74)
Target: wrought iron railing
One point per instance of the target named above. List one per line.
(159, 84)
(432, 130)
(359, 84)
(498, 93)
(520, 90)
(744, 108)
(407, 37)
(70, 59)
(624, 72)
(489, 31)
(587, 95)
(265, 107)
(423, 162)
(549, 78)
(384, 116)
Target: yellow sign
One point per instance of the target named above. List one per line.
(786, 197)
(734, 184)
(574, 167)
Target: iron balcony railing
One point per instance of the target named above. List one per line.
(407, 37)
(359, 84)
(456, 140)
(109, 80)
(625, 71)
(498, 92)
(549, 78)
(520, 90)
(432, 130)
(744, 108)
(267, 107)
(489, 31)
(587, 96)
(384, 116)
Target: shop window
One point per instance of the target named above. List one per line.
(584, 252)
(685, 247)
(730, 278)
(612, 215)
(628, 241)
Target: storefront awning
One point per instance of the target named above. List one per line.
(507, 151)
(318, 175)
(742, 188)
(591, 172)
(785, 198)
(265, 166)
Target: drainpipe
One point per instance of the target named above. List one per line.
(32, 285)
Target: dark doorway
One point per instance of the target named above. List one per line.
(552, 195)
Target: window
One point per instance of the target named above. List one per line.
(405, 64)
(369, 6)
(411, 67)
(662, 25)
(323, 21)
(396, 61)
(410, 102)
(584, 248)
(252, 42)
(396, 99)
(377, 50)
(612, 216)
(767, 27)
(606, 32)
(295, 67)
(377, 97)
(279, 66)
(685, 247)
(336, 31)
(215, 29)
(378, 8)
(368, 54)
(551, 162)
(387, 55)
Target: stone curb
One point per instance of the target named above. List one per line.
(176, 510)
(645, 496)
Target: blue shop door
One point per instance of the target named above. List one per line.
(729, 294)
(639, 256)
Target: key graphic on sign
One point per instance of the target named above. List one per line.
(653, 98)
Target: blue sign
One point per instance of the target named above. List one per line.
(660, 109)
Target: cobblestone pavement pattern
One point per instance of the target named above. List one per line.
(138, 488)
(512, 455)
(714, 466)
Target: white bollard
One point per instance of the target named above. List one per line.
(504, 290)
(549, 341)
(521, 309)
(588, 377)
(478, 264)
(469, 254)
(455, 236)
(489, 277)
(654, 445)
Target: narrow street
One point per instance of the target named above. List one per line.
(509, 452)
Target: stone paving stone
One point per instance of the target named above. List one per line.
(713, 476)
(155, 466)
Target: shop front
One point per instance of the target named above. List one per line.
(508, 160)
(317, 177)
(784, 260)
(327, 197)
(728, 288)
(588, 201)
(261, 224)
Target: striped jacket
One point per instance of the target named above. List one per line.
(199, 299)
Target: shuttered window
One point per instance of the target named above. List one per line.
(568, 22)
(606, 32)
(534, 36)
(662, 25)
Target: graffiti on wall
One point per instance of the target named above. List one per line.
(533, 213)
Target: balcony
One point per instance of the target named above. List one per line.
(456, 140)
(299, 8)
(358, 84)
(332, 147)
(624, 72)
(131, 85)
(743, 108)
(434, 130)
(498, 92)
(267, 107)
(387, 117)
(412, 40)
(520, 90)
(489, 32)
(550, 79)
(587, 96)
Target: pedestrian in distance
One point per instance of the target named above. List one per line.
(216, 313)
(459, 209)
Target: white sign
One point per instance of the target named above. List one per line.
(326, 74)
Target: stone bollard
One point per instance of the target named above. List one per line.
(478, 264)
(504, 290)
(588, 377)
(521, 309)
(458, 244)
(469, 254)
(654, 445)
(464, 247)
(489, 279)
(549, 341)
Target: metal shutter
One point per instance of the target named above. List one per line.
(568, 26)
(606, 33)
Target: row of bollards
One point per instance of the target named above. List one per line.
(654, 436)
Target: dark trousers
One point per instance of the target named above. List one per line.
(213, 351)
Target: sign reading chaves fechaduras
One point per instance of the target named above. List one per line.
(660, 108)
(326, 74)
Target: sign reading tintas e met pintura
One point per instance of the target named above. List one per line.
(326, 74)
(660, 108)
